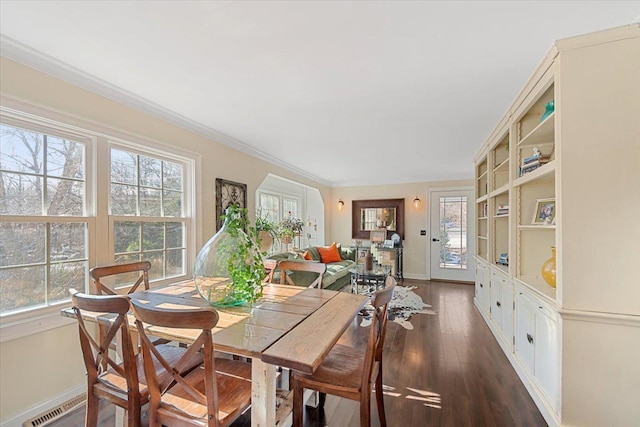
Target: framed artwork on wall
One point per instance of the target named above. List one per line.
(228, 193)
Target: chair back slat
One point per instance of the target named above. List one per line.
(96, 352)
(286, 266)
(203, 319)
(99, 273)
(380, 302)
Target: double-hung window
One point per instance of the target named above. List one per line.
(73, 197)
(147, 212)
(44, 227)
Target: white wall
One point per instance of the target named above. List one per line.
(40, 367)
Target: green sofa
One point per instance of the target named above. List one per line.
(336, 276)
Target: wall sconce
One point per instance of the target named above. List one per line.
(340, 204)
(416, 202)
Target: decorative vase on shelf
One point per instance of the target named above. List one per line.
(549, 269)
(549, 109)
(229, 269)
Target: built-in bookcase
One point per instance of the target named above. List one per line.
(534, 128)
(568, 142)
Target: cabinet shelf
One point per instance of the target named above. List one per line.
(482, 175)
(502, 167)
(501, 216)
(542, 171)
(540, 287)
(541, 134)
(482, 199)
(537, 227)
(482, 237)
(500, 190)
(482, 217)
(503, 268)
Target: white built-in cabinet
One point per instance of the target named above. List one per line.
(576, 347)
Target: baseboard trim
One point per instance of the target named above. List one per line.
(39, 408)
(414, 276)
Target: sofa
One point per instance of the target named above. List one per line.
(335, 278)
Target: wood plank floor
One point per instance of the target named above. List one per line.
(448, 371)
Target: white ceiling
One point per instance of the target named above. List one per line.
(350, 93)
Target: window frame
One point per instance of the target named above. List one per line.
(98, 139)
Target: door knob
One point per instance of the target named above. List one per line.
(435, 240)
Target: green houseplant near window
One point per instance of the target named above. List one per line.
(229, 268)
(267, 231)
(288, 228)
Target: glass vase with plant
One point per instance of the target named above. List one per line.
(229, 269)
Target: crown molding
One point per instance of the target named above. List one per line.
(25, 55)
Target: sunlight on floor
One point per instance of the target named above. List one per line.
(430, 399)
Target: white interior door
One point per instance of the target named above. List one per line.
(452, 235)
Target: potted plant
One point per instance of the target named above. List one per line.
(267, 231)
(288, 228)
(229, 269)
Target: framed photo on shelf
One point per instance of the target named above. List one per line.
(378, 236)
(545, 212)
(228, 193)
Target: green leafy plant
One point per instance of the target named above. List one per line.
(290, 227)
(245, 265)
(264, 223)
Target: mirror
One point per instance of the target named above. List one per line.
(380, 214)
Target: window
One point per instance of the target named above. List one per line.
(275, 206)
(152, 190)
(269, 206)
(52, 227)
(43, 225)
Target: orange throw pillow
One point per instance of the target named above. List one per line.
(330, 254)
(306, 255)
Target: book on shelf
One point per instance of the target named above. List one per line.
(532, 166)
(534, 158)
(485, 209)
(502, 210)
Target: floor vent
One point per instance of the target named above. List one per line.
(55, 413)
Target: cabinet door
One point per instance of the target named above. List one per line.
(506, 297)
(496, 304)
(546, 355)
(482, 286)
(525, 333)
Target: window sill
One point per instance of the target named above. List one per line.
(11, 330)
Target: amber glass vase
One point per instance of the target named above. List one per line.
(549, 269)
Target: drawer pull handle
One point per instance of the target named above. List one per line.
(481, 285)
(530, 338)
(498, 303)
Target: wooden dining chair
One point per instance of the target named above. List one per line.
(286, 267)
(214, 394)
(123, 384)
(347, 371)
(137, 272)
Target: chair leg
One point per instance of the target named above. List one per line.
(298, 404)
(380, 397)
(91, 416)
(133, 412)
(321, 400)
(365, 412)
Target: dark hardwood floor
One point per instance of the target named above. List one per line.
(447, 371)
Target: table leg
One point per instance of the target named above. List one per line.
(263, 394)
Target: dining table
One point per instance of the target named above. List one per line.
(289, 326)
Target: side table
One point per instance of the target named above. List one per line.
(371, 280)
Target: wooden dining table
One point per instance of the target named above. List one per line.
(290, 326)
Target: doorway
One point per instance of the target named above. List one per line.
(452, 243)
